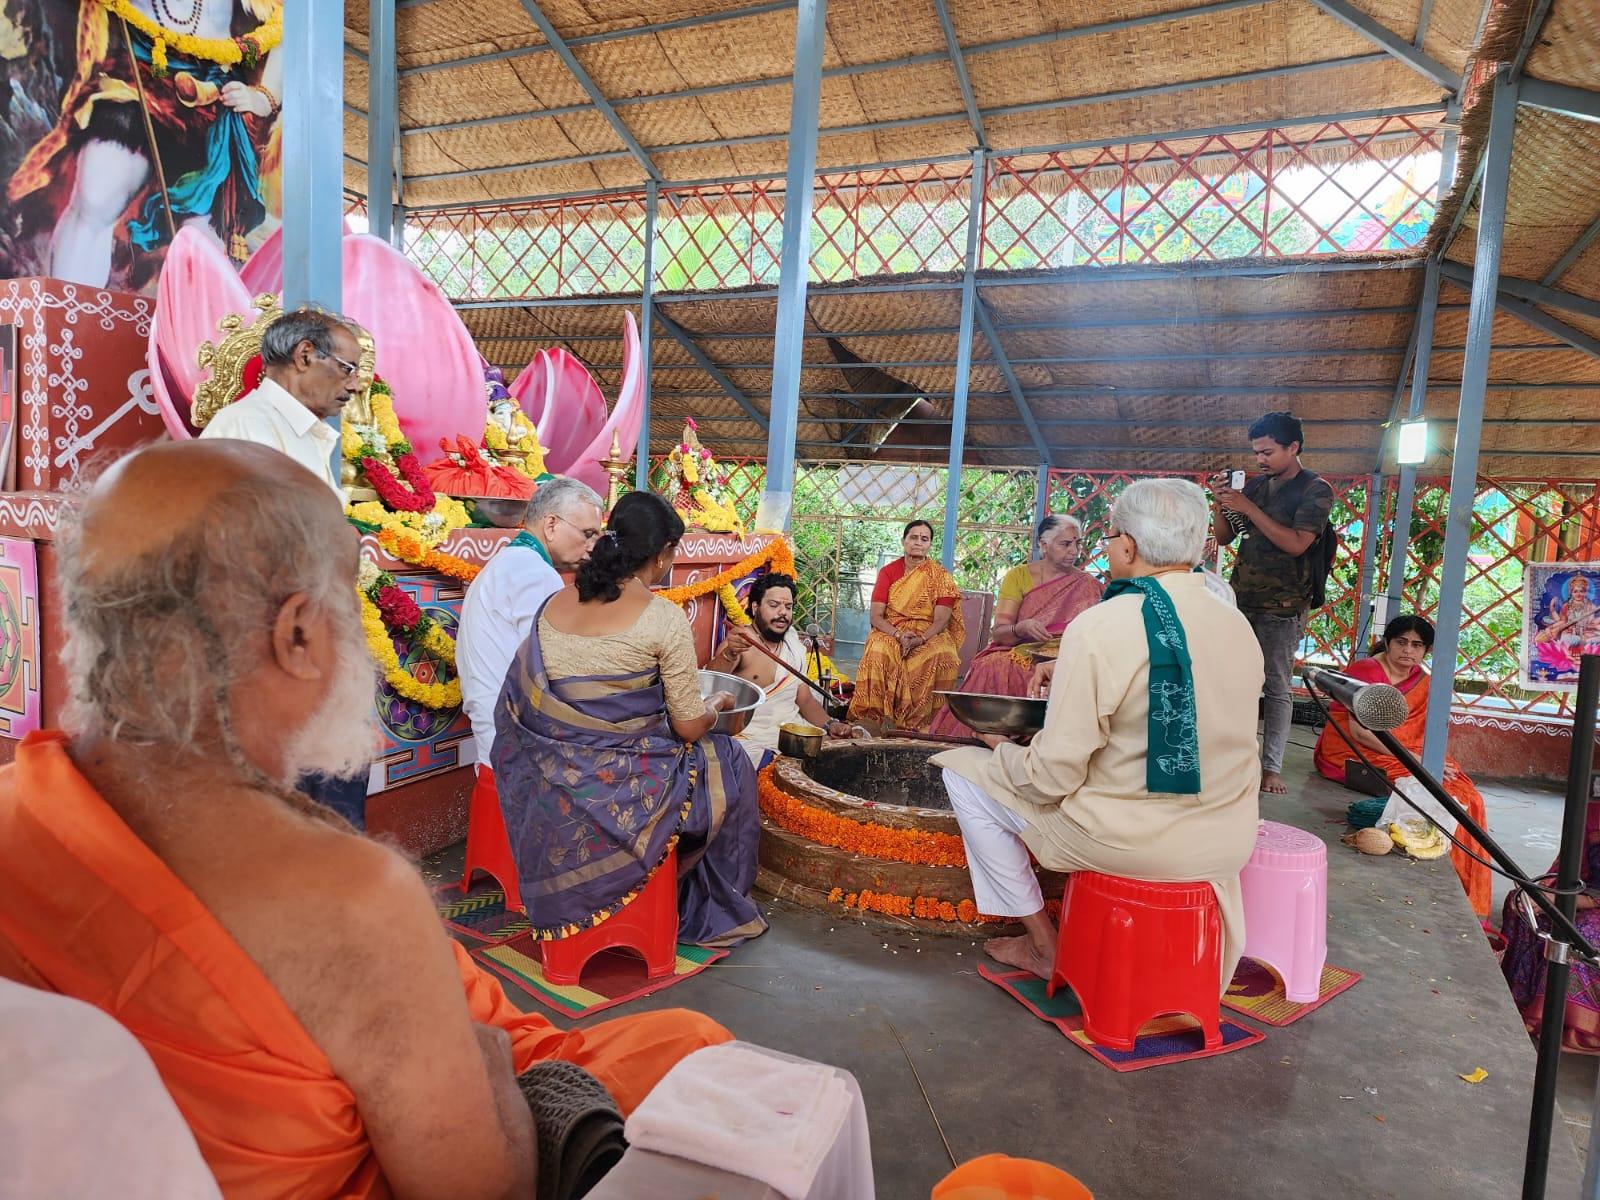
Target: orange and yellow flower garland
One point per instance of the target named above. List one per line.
(926, 908)
(917, 846)
(775, 556)
(409, 548)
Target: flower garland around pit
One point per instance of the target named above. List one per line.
(926, 908)
(921, 847)
(246, 49)
(386, 609)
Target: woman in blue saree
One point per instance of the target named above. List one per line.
(604, 754)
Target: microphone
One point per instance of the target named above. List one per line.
(1375, 706)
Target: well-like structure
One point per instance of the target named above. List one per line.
(866, 826)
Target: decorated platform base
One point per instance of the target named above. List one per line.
(865, 829)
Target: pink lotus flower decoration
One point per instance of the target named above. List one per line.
(423, 351)
(564, 403)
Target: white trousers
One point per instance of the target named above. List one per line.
(1003, 882)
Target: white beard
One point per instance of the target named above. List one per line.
(341, 736)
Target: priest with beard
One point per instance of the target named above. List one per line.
(771, 609)
(290, 979)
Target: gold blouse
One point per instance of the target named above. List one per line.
(659, 639)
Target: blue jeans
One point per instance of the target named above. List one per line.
(347, 797)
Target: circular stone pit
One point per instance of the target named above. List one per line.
(870, 817)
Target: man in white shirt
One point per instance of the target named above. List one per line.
(309, 360)
(565, 519)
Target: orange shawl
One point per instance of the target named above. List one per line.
(89, 911)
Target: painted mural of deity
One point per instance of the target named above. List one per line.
(126, 120)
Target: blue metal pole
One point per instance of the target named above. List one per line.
(1369, 562)
(382, 102)
(958, 402)
(1469, 420)
(1427, 314)
(788, 344)
(641, 462)
(313, 153)
(1041, 494)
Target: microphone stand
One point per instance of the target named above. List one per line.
(1564, 937)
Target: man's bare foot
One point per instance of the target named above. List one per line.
(1272, 783)
(1018, 952)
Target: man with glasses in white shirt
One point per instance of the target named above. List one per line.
(564, 520)
(309, 371)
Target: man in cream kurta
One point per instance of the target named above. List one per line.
(1076, 796)
(308, 372)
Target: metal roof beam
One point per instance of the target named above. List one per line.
(575, 69)
(755, 139)
(1088, 422)
(1545, 323)
(1530, 37)
(958, 64)
(1526, 289)
(1560, 98)
(1024, 410)
(1573, 254)
(680, 335)
(1424, 64)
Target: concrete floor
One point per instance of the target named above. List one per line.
(1361, 1098)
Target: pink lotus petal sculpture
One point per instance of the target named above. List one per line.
(263, 270)
(424, 350)
(198, 287)
(565, 404)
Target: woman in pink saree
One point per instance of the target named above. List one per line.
(1038, 600)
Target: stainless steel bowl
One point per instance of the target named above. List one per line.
(1009, 716)
(746, 698)
(500, 511)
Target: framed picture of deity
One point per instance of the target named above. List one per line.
(20, 709)
(8, 406)
(1560, 622)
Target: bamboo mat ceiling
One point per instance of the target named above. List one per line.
(1039, 93)
(1120, 369)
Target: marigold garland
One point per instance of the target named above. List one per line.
(775, 556)
(921, 847)
(381, 646)
(448, 515)
(926, 908)
(409, 548)
(246, 49)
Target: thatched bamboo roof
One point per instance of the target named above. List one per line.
(1155, 368)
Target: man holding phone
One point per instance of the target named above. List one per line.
(1281, 515)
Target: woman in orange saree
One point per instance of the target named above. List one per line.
(1406, 642)
(1037, 602)
(914, 649)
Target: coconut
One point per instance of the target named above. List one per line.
(1371, 841)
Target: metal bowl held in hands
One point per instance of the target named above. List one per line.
(747, 697)
(1008, 716)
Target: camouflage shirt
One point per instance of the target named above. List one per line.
(1265, 578)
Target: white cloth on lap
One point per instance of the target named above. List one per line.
(745, 1111)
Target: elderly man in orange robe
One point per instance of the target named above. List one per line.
(290, 980)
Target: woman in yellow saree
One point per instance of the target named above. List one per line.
(914, 648)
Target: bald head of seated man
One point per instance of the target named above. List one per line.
(291, 979)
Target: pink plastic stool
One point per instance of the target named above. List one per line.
(1285, 886)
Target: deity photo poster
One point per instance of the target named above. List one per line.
(112, 137)
(1560, 622)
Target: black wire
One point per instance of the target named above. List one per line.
(1520, 880)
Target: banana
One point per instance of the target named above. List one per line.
(1420, 839)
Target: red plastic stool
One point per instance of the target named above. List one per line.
(488, 844)
(648, 925)
(1132, 951)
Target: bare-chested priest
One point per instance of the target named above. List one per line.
(290, 979)
(771, 609)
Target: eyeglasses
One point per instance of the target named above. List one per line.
(350, 368)
(1112, 536)
(590, 536)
